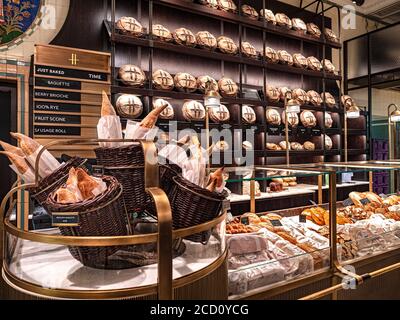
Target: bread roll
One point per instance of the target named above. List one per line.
(273, 147)
(283, 146)
(309, 146)
(296, 146)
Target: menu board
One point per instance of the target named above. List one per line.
(67, 92)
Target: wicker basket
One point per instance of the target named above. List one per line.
(104, 215)
(192, 205)
(55, 180)
(167, 173)
(126, 164)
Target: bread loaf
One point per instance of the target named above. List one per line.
(132, 75)
(273, 117)
(227, 87)
(131, 26)
(193, 111)
(293, 119)
(314, 64)
(248, 50)
(315, 98)
(227, 45)
(309, 146)
(205, 83)
(206, 40)
(129, 106)
(268, 15)
(185, 37)
(248, 115)
(161, 33)
(331, 36)
(328, 66)
(300, 61)
(249, 12)
(283, 20)
(271, 55)
(272, 94)
(168, 113)
(328, 120)
(285, 57)
(185, 82)
(308, 119)
(285, 92)
(227, 5)
(314, 30)
(329, 99)
(162, 80)
(301, 96)
(299, 25)
(219, 114)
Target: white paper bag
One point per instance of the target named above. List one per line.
(47, 164)
(109, 127)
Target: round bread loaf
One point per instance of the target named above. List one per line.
(300, 61)
(248, 114)
(185, 37)
(347, 101)
(328, 120)
(314, 30)
(293, 119)
(315, 98)
(268, 15)
(328, 143)
(314, 64)
(309, 146)
(162, 80)
(248, 50)
(283, 20)
(193, 111)
(227, 5)
(247, 145)
(221, 146)
(204, 81)
(210, 3)
(331, 36)
(206, 40)
(282, 144)
(227, 45)
(301, 96)
(273, 147)
(299, 25)
(329, 99)
(328, 66)
(249, 12)
(272, 94)
(271, 55)
(168, 113)
(161, 33)
(219, 114)
(132, 75)
(308, 119)
(227, 87)
(185, 82)
(273, 117)
(285, 92)
(131, 26)
(129, 106)
(285, 57)
(296, 146)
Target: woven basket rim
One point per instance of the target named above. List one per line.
(128, 146)
(202, 192)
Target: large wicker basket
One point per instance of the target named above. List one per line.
(192, 205)
(126, 164)
(55, 180)
(104, 215)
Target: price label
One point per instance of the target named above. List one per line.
(226, 205)
(302, 131)
(98, 171)
(316, 132)
(365, 201)
(245, 221)
(302, 218)
(274, 131)
(65, 219)
(348, 202)
(276, 223)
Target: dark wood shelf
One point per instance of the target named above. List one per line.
(331, 131)
(356, 132)
(199, 9)
(215, 55)
(282, 153)
(356, 152)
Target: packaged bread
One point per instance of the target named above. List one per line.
(244, 244)
(168, 112)
(236, 261)
(227, 87)
(308, 119)
(248, 50)
(293, 118)
(309, 146)
(193, 111)
(283, 20)
(271, 56)
(109, 125)
(314, 64)
(314, 30)
(20, 166)
(249, 12)
(227, 5)
(248, 114)
(300, 61)
(206, 40)
(268, 15)
(132, 75)
(205, 83)
(329, 99)
(185, 37)
(185, 82)
(227, 45)
(272, 94)
(273, 117)
(285, 57)
(162, 80)
(161, 33)
(315, 98)
(129, 106)
(301, 96)
(219, 114)
(299, 25)
(131, 26)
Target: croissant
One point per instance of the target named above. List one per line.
(18, 161)
(216, 180)
(152, 117)
(86, 183)
(28, 145)
(65, 196)
(106, 107)
(12, 149)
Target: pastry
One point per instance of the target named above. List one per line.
(249, 12)
(206, 40)
(219, 114)
(328, 66)
(64, 196)
(314, 30)
(270, 217)
(247, 145)
(374, 198)
(331, 36)
(273, 117)
(293, 119)
(205, 83)
(285, 57)
(162, 80)
(161, 33)
(248, 115)
(329, 99)
(215, 180)
(315, 98)
(283, 20)
(285, 185)
(268, 15)
(314, 64)
(300, 61)
(292, 184)
(275, 187)
(210, 3)
(296, 146)
(282, 144)
(299, 25)
(309, 146)
(193, 111)
(227, 5)
(227, 45)
(328, 120)
(273, 147)
(185, 82)
(129, 105)
(285, 92)
(328, 142)
(185, 37)
(221, 146)
(271, 55)
(12, 149)
(308, 119)
(227, 87)
(253, 218)
(272, 94)
(131, 26)
(132, 75)
(86, 183)
(168, 113)
(248, 50)
(301, 96)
